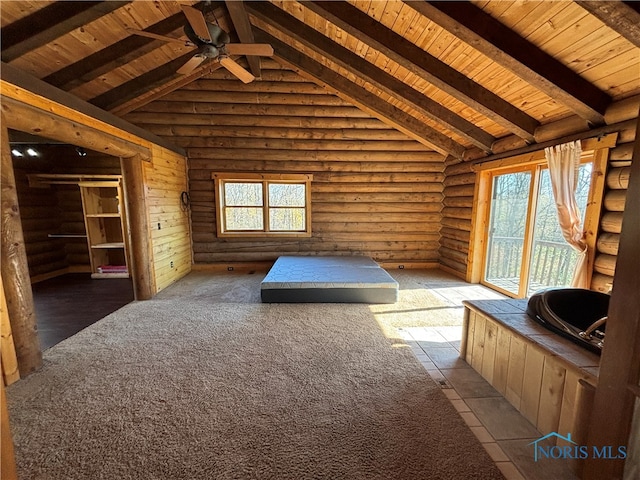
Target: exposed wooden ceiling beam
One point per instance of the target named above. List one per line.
(83, 112)
(139, 85)
(370, 31)
(164, 89)
(360, 97)
(241, 23)
(49, 23)
(505, 47)
(361, 68)
(622, 17)
(114, 56)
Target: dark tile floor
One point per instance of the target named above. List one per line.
(69, 303)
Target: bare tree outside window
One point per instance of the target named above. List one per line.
(262, 205)
(286, 207)
(551, 260)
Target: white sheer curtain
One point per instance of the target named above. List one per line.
(564, 162)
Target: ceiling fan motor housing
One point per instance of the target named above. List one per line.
(209, 51)
(218, 36)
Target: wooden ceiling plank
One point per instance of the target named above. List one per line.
(166, 88)
(141, 84)
(113, 56)
(361, 97)
(505, 47)
(622, 17)
(436, 72)
(242, 26)
(49, 23)
(365, 70)
(33, 91)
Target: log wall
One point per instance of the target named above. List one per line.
(617, 182)
(456, 217)
(374, 191)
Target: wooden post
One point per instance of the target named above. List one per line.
(8, 359)
(138, 227)
(620, 363)
(7, 457)
(15, 270)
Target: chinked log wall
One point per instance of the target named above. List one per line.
(459, 190)
(374, 192)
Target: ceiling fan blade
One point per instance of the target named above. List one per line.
(142, 33)
(197, 21)
(236, 69)
(191, 64)
(261, 49)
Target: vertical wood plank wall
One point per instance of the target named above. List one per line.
(458, 201)
(375, 191)
(165, 180)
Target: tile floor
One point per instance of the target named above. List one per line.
(503, 431)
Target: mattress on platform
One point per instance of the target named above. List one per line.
(356, 279)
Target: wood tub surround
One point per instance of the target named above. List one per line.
(536, 370)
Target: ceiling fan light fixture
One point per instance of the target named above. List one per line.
(209, 51)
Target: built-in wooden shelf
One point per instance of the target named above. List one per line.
(104, 213)
(110, 275)
(67, 235)
(45, 180)
(109, 245)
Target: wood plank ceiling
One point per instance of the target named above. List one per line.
(456, 76)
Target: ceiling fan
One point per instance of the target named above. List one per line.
(212, 42)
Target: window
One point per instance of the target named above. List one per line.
(263, 204)
(516, 246)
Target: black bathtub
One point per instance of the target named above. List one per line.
(575, 313)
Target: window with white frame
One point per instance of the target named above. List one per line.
(263, 204)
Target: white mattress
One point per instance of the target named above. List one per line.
(355, 276)
(327, 272)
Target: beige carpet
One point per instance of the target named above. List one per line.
(205, 382)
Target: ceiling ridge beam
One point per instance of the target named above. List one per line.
(362, 98)
(377, 77)
(416, 60)
(49, 23)
(502, 45)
